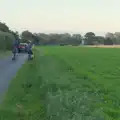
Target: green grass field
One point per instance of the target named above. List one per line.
(66, 83)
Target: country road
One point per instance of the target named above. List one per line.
(8, 70)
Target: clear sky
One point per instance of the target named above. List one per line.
(75, 16)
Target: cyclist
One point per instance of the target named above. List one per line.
(29, 49)
(15, 49)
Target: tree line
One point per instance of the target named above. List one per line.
(75, 39)
(7, 36)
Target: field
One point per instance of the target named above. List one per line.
(66, 83)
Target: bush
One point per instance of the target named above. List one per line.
(6, 40)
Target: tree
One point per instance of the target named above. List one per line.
(58, 39)
(89, 34)
(65, 39)
(54, 39)
(109, 35)
(89, 38)
(43, 38)
(76, 39)
(99, 40)
(109, 39)
(36, 39)
(117, 38)
(26, 36)
(16, 34)
(4, 27)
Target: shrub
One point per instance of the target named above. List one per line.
(6, 40)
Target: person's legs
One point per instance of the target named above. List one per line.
(30, 53)
(17, 51)
(14, 56)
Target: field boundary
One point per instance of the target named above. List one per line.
(104, 46)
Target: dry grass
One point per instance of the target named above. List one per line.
(105, 46)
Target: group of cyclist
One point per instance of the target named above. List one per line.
(15, 49)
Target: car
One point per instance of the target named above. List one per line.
(22, 47)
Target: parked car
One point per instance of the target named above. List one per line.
(23, 47)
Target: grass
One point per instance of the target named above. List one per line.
(66, 83)
(3, 54)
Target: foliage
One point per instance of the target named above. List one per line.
(6, 40)
(89, 38)
(4, 27)
(26, 36)
(59, 39)
(108, 41)
(7, 37)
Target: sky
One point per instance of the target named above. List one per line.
(60, 16)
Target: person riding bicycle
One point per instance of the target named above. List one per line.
(15, 48)
(29, 49)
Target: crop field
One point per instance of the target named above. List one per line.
(66, 83)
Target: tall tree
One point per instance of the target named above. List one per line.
(65, 39)
(117, 38)
(89, 38)
(76, 39)
(109, 39)
(26, 36)
(36, 39)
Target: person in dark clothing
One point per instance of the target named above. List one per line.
(29, 49)
(15, 49)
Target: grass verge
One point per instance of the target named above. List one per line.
(4, 54)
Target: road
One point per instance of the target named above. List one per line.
(8, 70)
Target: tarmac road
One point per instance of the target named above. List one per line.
(8, 70)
